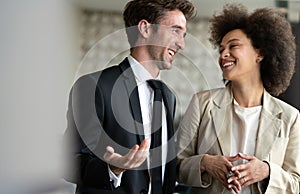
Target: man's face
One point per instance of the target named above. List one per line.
(167, 39)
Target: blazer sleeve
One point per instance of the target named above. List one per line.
(285, 178)
(188, 165)
(82, 136)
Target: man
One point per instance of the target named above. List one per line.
(110, 112)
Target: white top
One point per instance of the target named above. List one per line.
(244, 133)
(146, 96)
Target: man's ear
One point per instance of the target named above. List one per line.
(144, 28)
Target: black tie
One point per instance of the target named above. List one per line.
(155, 152)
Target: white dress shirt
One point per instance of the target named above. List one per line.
(146, 96)
(244, 132)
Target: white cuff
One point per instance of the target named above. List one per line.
(115, 178)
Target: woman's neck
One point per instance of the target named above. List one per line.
(249, 95)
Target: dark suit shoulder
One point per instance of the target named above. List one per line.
(110, 72)
(106, 76)
(94, 76)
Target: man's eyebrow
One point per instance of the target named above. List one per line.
(177, 26)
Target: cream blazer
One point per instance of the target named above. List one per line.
(206, 129)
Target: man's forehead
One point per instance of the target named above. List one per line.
(174, 18)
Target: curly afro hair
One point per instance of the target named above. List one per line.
(269, 32)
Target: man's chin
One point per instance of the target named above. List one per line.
(166, 66)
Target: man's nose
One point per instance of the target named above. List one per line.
(181, 43)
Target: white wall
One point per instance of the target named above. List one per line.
(39, 54)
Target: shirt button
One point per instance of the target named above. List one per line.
(143, 191)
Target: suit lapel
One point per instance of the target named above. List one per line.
(222, 120)
(269, 127)
(134, 101)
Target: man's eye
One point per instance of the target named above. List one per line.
(175, 30)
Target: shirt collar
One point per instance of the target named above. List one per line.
(141, 74)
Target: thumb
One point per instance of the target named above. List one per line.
(109, 151)
(244, 156)
(233, 158)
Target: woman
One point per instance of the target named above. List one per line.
(240, 138)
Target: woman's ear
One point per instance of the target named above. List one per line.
(259, 57)
(144, 28)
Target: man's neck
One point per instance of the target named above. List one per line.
(146, 62)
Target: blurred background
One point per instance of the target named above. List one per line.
(46, 45)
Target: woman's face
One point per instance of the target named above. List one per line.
(238, 58)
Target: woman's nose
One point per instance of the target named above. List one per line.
(225, 54)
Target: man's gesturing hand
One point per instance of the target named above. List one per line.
(133, 159)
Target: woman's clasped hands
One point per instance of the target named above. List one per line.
(235, 178)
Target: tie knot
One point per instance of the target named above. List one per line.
(155, 84)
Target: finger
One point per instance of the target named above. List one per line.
(246, 157)
(231, 179)
(140, 159)
(246, 183)
(236, 173)
(130, 155)
(137, 154)
(242, 181)
(223, 179)
(228, 166)
(233, 187)
(239, 168)
(233, 158)
(237, 184)
(109, 152)
(145, 145)
(142, 152)
(141, 156)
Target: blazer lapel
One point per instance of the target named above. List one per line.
(222, 120)
(268, 129)
(134, 101)
(269, 126)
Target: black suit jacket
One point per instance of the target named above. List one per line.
(104, 109)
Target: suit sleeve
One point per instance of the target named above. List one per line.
(84, 127)
(188, 164)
